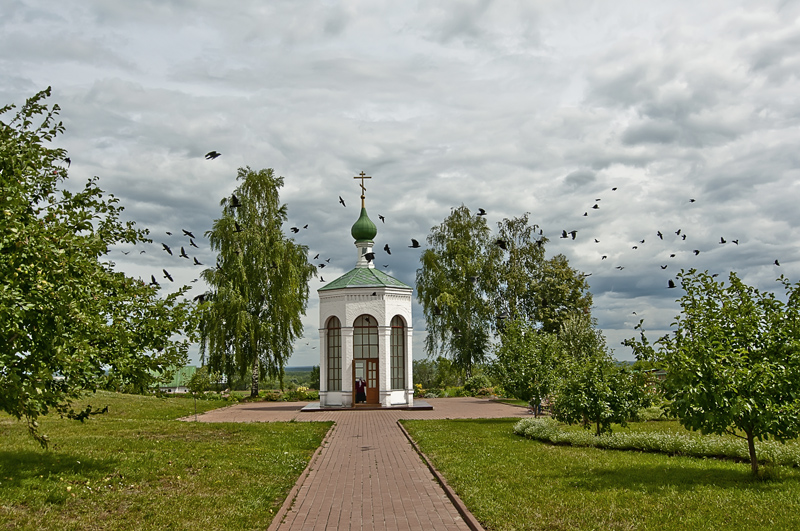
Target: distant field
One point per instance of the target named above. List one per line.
(137, 468)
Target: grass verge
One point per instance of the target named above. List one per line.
(510, 482)
(136, 468)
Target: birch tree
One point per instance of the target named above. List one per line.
(259, 284)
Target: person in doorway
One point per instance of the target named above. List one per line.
(361, 390)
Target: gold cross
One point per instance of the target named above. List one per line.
(362, 176)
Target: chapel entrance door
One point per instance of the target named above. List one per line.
(372, 381)
(366, 370)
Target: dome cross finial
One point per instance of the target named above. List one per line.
(362, 176)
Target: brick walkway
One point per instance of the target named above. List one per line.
(367, 475)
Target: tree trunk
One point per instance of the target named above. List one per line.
(254, 382)
(751, 446)
(597, 434)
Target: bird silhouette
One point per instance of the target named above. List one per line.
(722, 240)
(585, 213)
(187, 233)
(777, 263)
(502, 244)
(596, 240)
(573, 233)
(414, 244)
(142, 252)
(305, 226)
(369, 256)
(620, 267)
(678, 232)
(68, 161)
(191, 242)
(672, 256)
(316, 256)
(614, 189)
(696, 252)
(661, 236)
(153, 281)
(385, 265)
(383, 219)
(342, 201)
(196, 262)
(691, 200)
(635, 247)
(664, 267)
(211, 155)
(596, 206)
(167, 275)
(735, 241)
(321, 279)
(126, 253)
(295, 230)
(169, 233)
(671, 284)
(387, 249)
(564, 233)
(481, 212)
(166, 248)
(321, 266)
(183, 253)
(235, 201)
(604, 257)
(641, 241)
(683, 236)
(328, 260)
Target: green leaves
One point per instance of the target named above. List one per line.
(68, 322)
(260, 282)
(733, 361)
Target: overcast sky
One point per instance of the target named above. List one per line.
(529, 106)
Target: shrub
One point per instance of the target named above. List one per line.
(695, 445)
(476, 383)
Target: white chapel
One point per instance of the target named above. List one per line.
(365, 331)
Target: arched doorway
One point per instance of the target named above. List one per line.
(365, 360)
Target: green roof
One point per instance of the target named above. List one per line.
(364, 230)
(364, 277)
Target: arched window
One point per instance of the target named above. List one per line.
(398, 353)
(334, 340)
(365, 337)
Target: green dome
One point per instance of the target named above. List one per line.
(364, 229)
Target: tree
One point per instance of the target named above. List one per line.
(527, 362)
(530, 287)
(733, 361)
(314, 378)
(69, 322)
(259, 285)
(594, 390)
(454, 286)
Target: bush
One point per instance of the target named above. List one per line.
(477, 383)
(695, 445)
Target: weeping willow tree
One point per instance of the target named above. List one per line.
(259, 287)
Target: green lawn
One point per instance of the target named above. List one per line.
(510, 482)
(136, 468)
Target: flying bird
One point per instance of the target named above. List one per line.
(414, 244)
(683, 236)
(481, 212)
(777, 263)
(614, 189)
(691, 200)
(573, 233)
(295, 230)
(142, 252)
(585, 213)
(696, 252)
(620, 267)
(235, 201)
(735, 241)
(321, 279)
(211, 155)
(126, 253)
(316, 256)
(596, 206)
(328, 260)
(169, 233)
(183, 253)
(722, 240)
(68, 161)
(369, 256)
(167, 275)
(641, 241)
(604, 257)
(196, 262)
(678, 232)
(153, 281)
(321, 266)
(383, 219)
(596, 240)
(187, 233)
(166, 248)
(671, 284)
(661, 236)
(342, 201)
(305, 226)
(387, 249)
(672, 256)
(191, 242)
(664, 267)
(564, 233)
